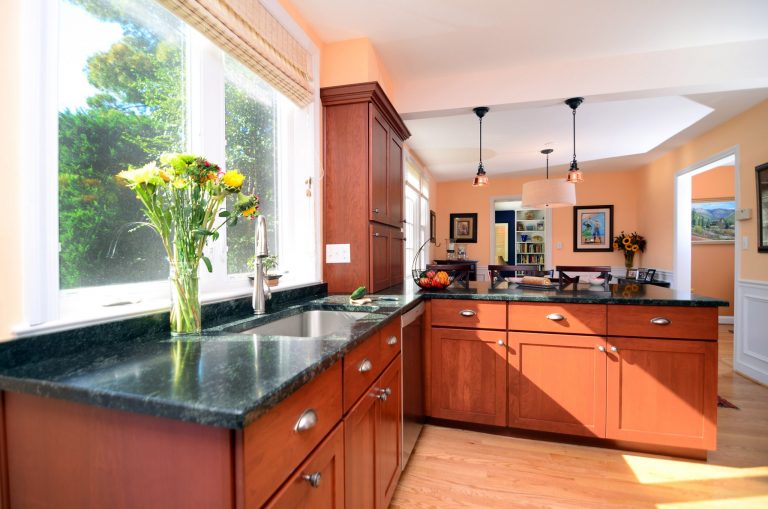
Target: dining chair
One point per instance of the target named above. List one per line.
(460, 269)
(564, 279)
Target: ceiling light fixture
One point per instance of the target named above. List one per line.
(548, 193)
(481, 178)
(574, 174)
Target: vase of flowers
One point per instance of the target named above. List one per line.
(181, 198)
(630, 244)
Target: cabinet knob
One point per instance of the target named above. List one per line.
(614, 349)
(365, 366)
(555, 317)
(307, 421)
(467, 312)
(313, 479)
(660, 320)
(377, 234)
(384, 394)
(600, 348)
(392, 341)
(500, 342)
(375, 211)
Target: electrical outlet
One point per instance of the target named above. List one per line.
(337, 253)
(744, 243)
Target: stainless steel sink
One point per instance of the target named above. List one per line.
(309, 324)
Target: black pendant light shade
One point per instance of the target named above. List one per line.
(481, 178)
(574, 174)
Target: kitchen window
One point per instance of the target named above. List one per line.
(416, 216)
(130, 81)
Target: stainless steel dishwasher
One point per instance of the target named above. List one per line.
(413, 379)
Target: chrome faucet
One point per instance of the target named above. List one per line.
(261, 292)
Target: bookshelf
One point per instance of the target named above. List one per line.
(530, 235)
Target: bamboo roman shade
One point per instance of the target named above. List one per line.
(248, 32)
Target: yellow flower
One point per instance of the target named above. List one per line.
(233, 179)
(163, 175)
(179, 183)
(635, 248)
(249, 212)
(626, 241)
(615, 245)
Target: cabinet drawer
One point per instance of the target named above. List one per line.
(362, 366)
(319, 482)
(390, 341)
(663, 322)
(274, 445)
(562, 318)
(469, 314)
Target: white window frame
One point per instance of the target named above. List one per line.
(43, 310)
(419, 230)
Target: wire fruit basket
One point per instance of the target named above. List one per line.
(431, 279)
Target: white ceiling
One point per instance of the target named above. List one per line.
(654, 74)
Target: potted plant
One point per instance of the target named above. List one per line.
(270, 264)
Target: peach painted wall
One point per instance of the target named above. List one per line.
(749, 132)
(354, 61)
(11, 259)
(712, 264)
(616, 188)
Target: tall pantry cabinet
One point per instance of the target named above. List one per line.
(363, 139)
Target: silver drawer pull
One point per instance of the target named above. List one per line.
(467, 312)
(365, 366)
(555, 317)
(500, 342)
(307, 421)
(659, 320)
(600, 348)
(392, 341)
(384, 394)
(614, 349)
(376, 235)
(313, 479)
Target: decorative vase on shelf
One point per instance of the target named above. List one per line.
(185, 298)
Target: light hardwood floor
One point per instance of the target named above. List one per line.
(457, 468)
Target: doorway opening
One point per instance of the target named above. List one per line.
(519, 236)
(706, 232)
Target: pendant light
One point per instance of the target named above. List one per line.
(548, 193)
(480, 179)
(574, 174)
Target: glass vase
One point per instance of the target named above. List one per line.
(185, 299)
(629, 261)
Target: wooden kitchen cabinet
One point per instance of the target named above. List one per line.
(363, 185)
(662, 391)
(469, 375)
(557, 383)
(372, 443)
(319, 482)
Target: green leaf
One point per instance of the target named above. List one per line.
(208, 264)
(224, 213)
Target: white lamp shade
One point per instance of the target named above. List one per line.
(554, 193)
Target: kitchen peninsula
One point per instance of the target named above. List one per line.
(227, 419)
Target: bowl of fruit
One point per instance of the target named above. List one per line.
(433, 279)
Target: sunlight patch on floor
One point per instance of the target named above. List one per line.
(657, 470)
(759, 502)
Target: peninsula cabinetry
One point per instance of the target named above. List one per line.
(363, 186)
(631, 374)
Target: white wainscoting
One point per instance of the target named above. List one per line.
(751, 329)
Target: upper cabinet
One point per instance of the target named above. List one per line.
(363, 139)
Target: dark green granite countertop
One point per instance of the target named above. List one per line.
(228, 379)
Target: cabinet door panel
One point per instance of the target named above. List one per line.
(327, 463)
(378, 171)
(557, 383)
(469, 370)
(380, 251)
(662, 392)
(389, 435)
(395, 181)
(396, 246)
(360, 453)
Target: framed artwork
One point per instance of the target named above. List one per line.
(645, 275)
(632, 274)
(761, 173)
(464, 227)
(713, 221)
(593, 228)
(432, 226)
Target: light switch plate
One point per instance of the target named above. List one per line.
(744, 243)
(337, 253)
(559, 245)
(743, 214)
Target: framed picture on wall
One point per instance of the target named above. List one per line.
(464, 227)
(761, 173)
(593, 228)
(713, 221)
